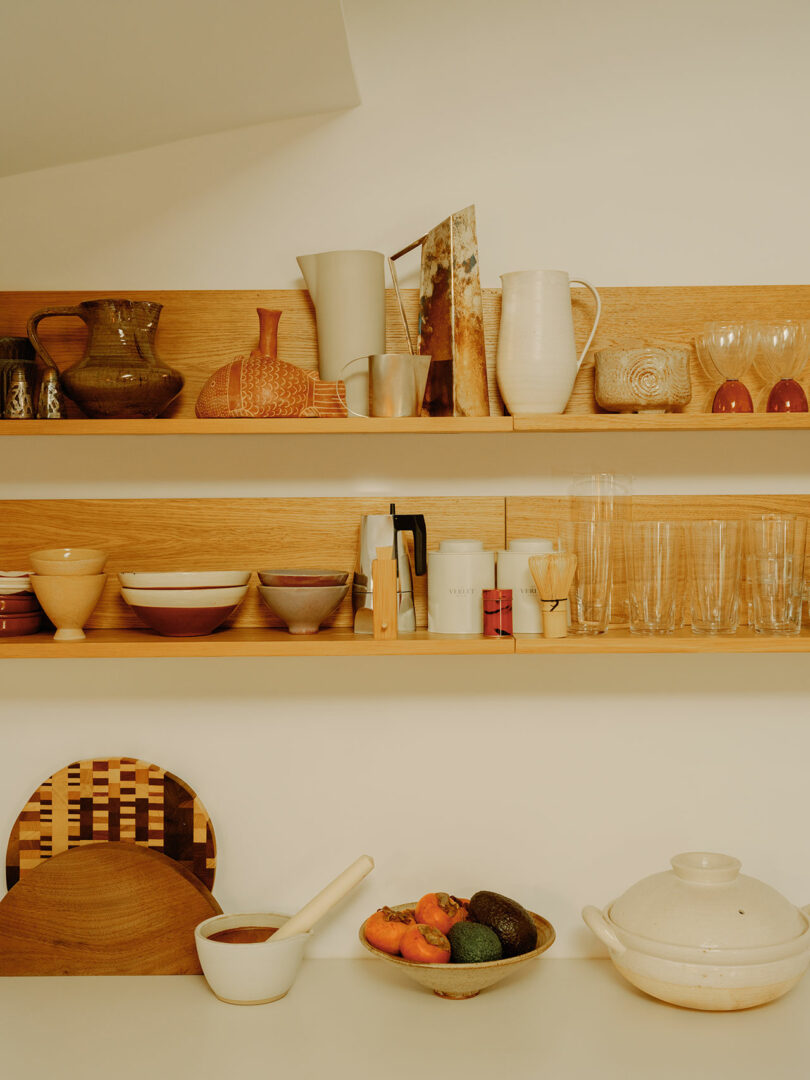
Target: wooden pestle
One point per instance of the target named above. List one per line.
(326, 899)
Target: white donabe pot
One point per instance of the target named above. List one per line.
(513, 573)
(458, 573)
(705, 936)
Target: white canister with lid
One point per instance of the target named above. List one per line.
(458, 573)
(514, 574)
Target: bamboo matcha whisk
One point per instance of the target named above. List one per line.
(553, 574)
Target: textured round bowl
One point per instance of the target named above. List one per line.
(182, 579)
(248, 972)
(21, 624)
(312, 579)
(642, 380)
(303, 609)
(68, 562)
(184, 612)
(68, 601)
(463, 980)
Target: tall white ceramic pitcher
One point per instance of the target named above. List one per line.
(348, 291)
(537, 360)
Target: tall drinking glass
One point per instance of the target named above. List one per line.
(714, 555)
(605, 497)
(775, 545)
(653, 552)
(589, 597)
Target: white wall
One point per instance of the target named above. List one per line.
(634, 143)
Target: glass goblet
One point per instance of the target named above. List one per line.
(783, 352)
(727, 350)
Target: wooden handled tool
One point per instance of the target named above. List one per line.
(384, 575)
(553, 574)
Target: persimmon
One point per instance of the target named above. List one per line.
(441, 910)
(425, 945)
(386, 927)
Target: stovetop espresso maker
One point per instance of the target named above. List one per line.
(385, 531)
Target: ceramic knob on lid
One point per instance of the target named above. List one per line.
(705, 902)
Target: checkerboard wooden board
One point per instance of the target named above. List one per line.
(118, 799)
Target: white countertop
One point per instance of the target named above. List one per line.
(556, 1020)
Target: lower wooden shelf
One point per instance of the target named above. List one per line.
(256, 642)
(248, 641)
(745, 640)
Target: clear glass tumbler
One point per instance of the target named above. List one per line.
(775, 547)
(656, 573)
(589, 597)
(714, 556)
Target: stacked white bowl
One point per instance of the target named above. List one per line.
(179, 603)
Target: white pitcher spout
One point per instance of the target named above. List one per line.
(307, 265)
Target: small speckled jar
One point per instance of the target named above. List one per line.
(642, 380)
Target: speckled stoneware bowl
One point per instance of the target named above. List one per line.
(68, 562)
(642, 380)
(310, 579)
(463, 980)
(303, 609)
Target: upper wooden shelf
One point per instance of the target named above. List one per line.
(199, 331)
(450, 425)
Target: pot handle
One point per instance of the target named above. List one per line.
(33, 322)
(597, 922)
(598, 299)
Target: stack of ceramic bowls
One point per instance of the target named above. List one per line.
(20, 612)
(303, 599)
(184, 603)
(68, 583)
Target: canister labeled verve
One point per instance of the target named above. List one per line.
(458, 573)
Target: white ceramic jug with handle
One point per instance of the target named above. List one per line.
(348, 291)
(537, 360)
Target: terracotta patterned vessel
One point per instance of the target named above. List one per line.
(261, 385)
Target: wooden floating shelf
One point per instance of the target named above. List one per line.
(404, 425)
(416, 425)
(248, 641)
(256, 642)
(615, 641)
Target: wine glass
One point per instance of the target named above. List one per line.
(783, 352)
(727, 350)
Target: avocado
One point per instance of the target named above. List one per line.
(473, 943)
(512, 923)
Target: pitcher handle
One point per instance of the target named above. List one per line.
(349, 409)
(34, 321)
(598, 299)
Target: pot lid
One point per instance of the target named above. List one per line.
(460, 547)
(705, 902)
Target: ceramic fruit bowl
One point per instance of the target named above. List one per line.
(463, 980)
(182, 579)
(245, 970)
(68, 562)
(303, 609)
(68, 601)
(312, 579)
(20, 624)
(704, 936)
(184, 612)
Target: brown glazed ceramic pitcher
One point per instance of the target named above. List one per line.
(120, 375)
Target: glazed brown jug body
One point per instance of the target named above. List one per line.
(120, 374)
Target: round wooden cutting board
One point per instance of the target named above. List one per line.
(118, 799)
